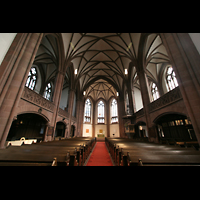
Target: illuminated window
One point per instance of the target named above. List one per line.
(127, 103)
(32, 78)
(114, 114)
(48, 91)
(171, 78)
(101, 118)
(87, 111)
(154, 91)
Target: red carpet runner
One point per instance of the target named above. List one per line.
(100, 156)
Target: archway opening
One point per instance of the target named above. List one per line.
(60, 130)
(141, 130)
(29, 125)
(72, 131)
(176, 127)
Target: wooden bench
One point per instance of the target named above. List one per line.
(163, 160)
(131, 153)
(70, 152)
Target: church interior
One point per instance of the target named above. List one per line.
(99, 99)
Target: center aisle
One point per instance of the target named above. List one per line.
(100, 156)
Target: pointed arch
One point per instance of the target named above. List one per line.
(88, 111)
(101, 111)
(114, 111)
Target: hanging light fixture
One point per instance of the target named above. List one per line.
(126, 71)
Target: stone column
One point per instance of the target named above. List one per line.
(14, 85)
(70, 108)
(146, 101)
(56, 98)
(186, 61)
(94, 116)
(108, 118)
(130, 98)
(121, 113)
(79, 116)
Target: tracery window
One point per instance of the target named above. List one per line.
(32, 78)
(114, 118)
(171, 78)
(87, 111)
(127, 103)
(154, 91)
(48, 91)
(101, 118)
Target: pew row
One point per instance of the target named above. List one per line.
(68, 152)
(128, 152)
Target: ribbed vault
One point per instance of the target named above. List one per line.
(97, 55)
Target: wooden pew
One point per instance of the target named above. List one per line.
(130, 153)
(67, 153)
(164, 160)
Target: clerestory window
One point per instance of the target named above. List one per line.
(48, 91)
(32, 78)
(154, 91)
(171, 78)
(114, 118)
(87, 111)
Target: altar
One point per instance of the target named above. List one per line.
(100, 135)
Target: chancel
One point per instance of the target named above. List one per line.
(81, 98)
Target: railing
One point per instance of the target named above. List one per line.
(37, 99)
(63, 113)
(165, 100)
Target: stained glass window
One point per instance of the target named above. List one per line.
(154, 91)
(48, 91)
(114, 114)
(32, 78)
(87, 110)
(101, 118)
(171, 78)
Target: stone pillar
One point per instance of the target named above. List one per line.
(70, 108)
(79, 116)
(185, 60)
(130, 98)
(121, 113)
(13, 87)
(94, 116)
(108, 118)
(146, 102)
(56, 99)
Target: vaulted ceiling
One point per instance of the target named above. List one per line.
(101, 59)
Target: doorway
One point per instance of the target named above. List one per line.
(60, 129)
(72, 131)
(175, 127)
(141, 130)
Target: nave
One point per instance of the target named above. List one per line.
(99, 156)
(86, 151)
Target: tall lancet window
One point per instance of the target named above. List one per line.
(114, 118)
(87, 111)
(171, 78)
(127, 103)
(101, 118)
(32, 78)
(48, 91)
(154, 91)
